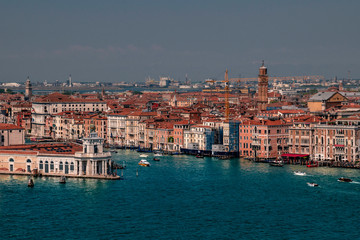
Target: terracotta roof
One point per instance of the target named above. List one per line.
(47, 148)
(6, 126)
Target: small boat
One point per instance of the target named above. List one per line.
(298, 173)
(276, 164)
(62, 180)
(30, 183)
(200, 156)
(312, 184)
(156, 159)
(144, 163)
(312, 165)
(157, 155)
(113, 151)
(342, 179)
(143, 155)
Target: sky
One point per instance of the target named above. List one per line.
(120, 40)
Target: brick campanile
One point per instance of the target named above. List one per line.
(263, 80)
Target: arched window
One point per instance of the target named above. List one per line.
(41, 165)
(52, 166)
(61, 166)
(11, 164)
(72, 166)
(28, 161)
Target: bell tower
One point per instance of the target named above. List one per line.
(28, 89)
(263, 83)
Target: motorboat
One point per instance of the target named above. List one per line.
(298, 173)
(312, 184)
(200, 156)
(157, 155)
(144, 163)
(342, 179)
(143, 155)
(312, 165)
(62, 180)
(276, 164)
(30, 183)
(156, 159)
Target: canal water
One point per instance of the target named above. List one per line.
(183, 197)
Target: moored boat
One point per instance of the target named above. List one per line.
(143, 155)
(62, 180)
(312, 165)
(200, 156)
(342, 179)
(144, 163)
(30, 183)
(276, 164)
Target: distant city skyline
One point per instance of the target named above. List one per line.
(115, 41)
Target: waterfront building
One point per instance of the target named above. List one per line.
(199, 137)
(246, 129)
(46, 106)
(231, 137)
(117, 127)
(164, 135)
(58, 159)
(337, 141)
(179, 128)
(270, 139)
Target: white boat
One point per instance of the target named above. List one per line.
(143, 155)
(157, 155)
(300, 173)
(312, 184)
(144, 163)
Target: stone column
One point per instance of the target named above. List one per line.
(80, 168)
(88, 167)
(103, 167)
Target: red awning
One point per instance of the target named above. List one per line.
(294, 155)
(339, 145)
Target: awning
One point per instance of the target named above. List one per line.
(294, 155)
(339, 145)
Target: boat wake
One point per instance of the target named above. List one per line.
(355, 182)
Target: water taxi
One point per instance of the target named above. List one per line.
(342, 179)
(298, 173)
(312, 184)
(144, 163)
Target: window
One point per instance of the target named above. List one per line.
(61, 166)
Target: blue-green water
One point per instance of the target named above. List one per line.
(183, 197)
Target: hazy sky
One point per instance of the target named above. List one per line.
(130, 40)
